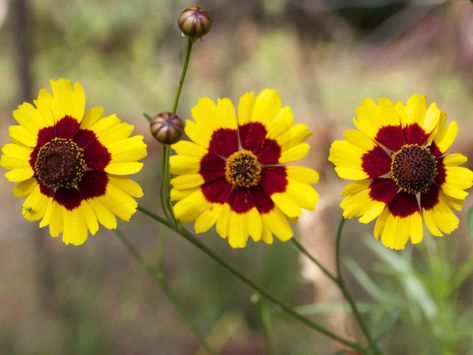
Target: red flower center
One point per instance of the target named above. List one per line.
(60, 163)
(413, 168)
(243, 169)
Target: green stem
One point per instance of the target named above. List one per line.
(303, 251)
(265, 315)
(337, 247)
(341, 285)
(160, 278)
(183, 74)
(165, 184)
(190, 238)
(165, 201)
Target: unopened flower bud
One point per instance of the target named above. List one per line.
(166, 127)
(194, 22)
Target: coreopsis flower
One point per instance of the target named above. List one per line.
(398, 157)
(71, 164)
(233, 171)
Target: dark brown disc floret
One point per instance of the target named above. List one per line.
(413, 168)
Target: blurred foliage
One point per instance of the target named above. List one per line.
(427, 287)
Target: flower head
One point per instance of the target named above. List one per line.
(166, 127)
(233, 172)
(194, 22)
(404, 175)
(71, 164)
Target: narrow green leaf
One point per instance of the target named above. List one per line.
(469, 220)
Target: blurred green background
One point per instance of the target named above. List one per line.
(324, 57)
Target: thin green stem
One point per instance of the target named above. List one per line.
(265, 315)
(190, 238)
(303, 251)
(165, 201)
(346, 294)
(160, 278)
(165, 183)
(337, 247)
(183, 74)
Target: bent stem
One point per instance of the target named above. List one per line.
(342, 286)
(165, 201)
(265, 315)
(287, 309)
(160, 278)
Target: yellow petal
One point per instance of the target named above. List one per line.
(91, 116)
(223, 222)
(302, 194)
(440, 219)
(287, 206)
(416, 105)
(17, 175)
(459, 177)
(187, 181)
(226, 112)
(35, 205)
(245, 108)
(56, 220)
(198, 133)
(24, 188)
(190, 149)
(43, 104)
(28, 117)
(238, 230)
(416, 228)
(293, 136)
(360, 204)
(104, 216)
(205, 113)
(281, 123)
(183, 164)
(267, 105)
(118, 202)
(431, 119)
(75, 228)
(207, 218)
(356, 186)
(69, 101)
(278, 224)
(21, 135)
(294, 153)
(180, 194)
(302, 174)
(127, 185)
(445, 136)
(255, 224)
(128, 150)
(359, 139)
(266, 235)
(126, 168)
(189, 208)
(347, 159)
(455, 159)
(89, 217)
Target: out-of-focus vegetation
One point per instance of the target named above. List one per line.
(324, 57)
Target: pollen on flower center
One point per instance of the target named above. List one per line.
(243, 169)
(413, 168)
(60, 163)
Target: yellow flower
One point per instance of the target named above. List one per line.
(71, 164)
(398, 157)
(233, 174)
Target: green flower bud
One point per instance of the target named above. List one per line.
(166, 127)
(194, 22)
